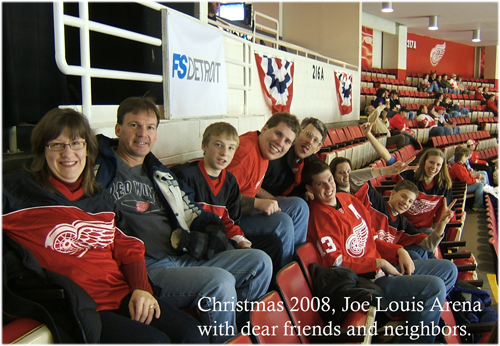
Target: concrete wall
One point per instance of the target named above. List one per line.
(332, 29)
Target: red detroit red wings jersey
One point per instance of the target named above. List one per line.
(428, 206)
(59, 243)
(345, 237)
(389, 228)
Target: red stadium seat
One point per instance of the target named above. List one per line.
(240, 339)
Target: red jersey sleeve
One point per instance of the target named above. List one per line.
(127, 249)
(388, 251)
(459, 172)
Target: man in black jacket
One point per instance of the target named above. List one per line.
(283, 175)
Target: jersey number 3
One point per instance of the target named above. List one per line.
(329, 242)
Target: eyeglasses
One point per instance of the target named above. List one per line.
(61, 146)
(311, 136)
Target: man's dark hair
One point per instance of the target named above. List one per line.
(318, 124)
(311, 169)
(135, 105)
(284, 117)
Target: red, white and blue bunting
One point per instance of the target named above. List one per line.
(343, 87)
(276, 79)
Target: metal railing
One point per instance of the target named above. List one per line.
(86, 71)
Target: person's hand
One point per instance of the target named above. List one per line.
(143, 307)
(308, 196)
(487, 164)
(267, 206)
(243, 245)
(386, 267)
(405, 262)
(366, 127)
(448, 213)
(400, 166)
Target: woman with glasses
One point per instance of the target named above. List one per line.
(57, 211)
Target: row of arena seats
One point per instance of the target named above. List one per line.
(376, 72)
(448, 143)
(349, 142)
(459, 138)
(488, 154)
(381, 80)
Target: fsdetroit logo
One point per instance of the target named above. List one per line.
(195, 69)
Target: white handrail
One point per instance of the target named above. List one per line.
(86, 72)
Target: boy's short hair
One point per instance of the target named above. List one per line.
(220, 128)
(460, 155)
(406, 184)
(311, 169)
(289, 119)
(318, 124)
(135, 105)
(459, 148)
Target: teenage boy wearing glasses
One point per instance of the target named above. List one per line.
(283, 176)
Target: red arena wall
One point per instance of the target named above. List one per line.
(427, 54)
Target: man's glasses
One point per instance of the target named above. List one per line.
(312, 137)
(61, 146)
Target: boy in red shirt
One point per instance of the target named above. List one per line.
(459, 172)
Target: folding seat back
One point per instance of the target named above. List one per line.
(307, 254)
(271, 323)
(327, 141)
(295, 291)
(342, 136)
(333, 136)
(240, 339)
(304, 309)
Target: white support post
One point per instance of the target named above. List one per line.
(13, 140)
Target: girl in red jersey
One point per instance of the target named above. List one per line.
(434, 184)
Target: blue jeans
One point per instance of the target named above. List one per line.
(416, 252)
(436, 131)
(464, 111)
(485, 175)
(428, 285)
(453, 114)
(232, 275)
(290, 224)
(477, 188)
(447, 130)
(434, 87)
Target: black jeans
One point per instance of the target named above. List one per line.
(173, 326)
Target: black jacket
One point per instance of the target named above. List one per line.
(32, 291)
(279, 175)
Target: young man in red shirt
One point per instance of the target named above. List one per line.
(340, 227)
(284, 217)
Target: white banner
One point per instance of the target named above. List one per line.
(197, 71)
